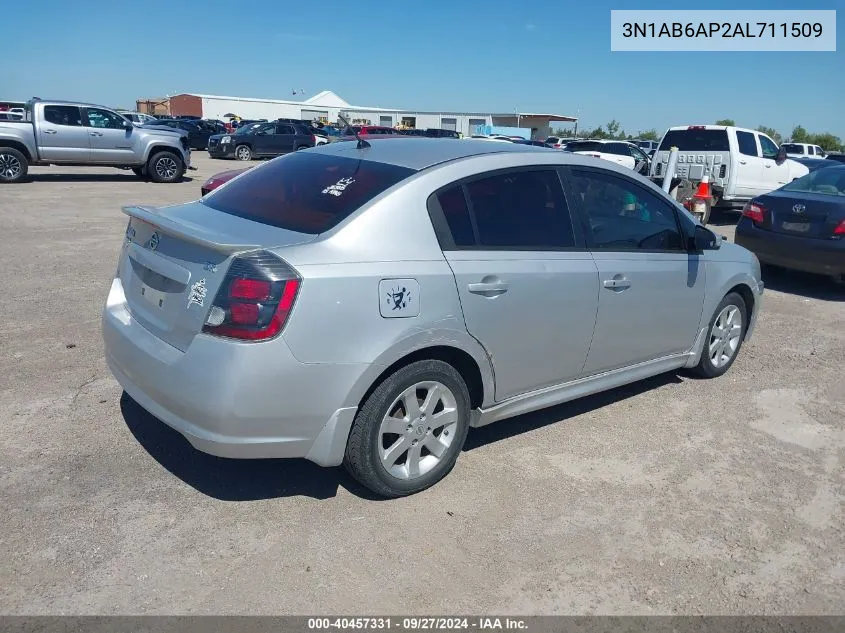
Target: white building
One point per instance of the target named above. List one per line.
(327, 105)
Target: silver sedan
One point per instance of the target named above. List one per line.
(366, 304)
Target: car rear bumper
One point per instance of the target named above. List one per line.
(824, 257)
(232, 399)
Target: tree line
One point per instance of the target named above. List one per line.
(613, 130)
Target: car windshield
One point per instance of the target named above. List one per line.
(696, 140)
(303, 192)
(828, 180)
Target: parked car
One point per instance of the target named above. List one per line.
(814, 163)
(557, 142)
(800, 225)
(261, 140)
(533, 143)
(274, 330)
(837, 156)
(198, 131)
(365, 130)
(220, 179)
(139, 118)
(438, 133)
(741, 163)
(619, 152)
(412, 132)
(69, 133)
(803, 150)
(649, 147)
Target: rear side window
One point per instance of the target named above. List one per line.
(521, 210)
(586, 146)
(307, 193)
(454, 206)
(747, 144)
(63, 115)
(696, 140)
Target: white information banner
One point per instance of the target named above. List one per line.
(746, 30)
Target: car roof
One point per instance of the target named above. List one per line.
(420, 153)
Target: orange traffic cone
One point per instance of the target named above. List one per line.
(702, 199)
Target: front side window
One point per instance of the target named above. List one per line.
(62, 115)
(521, 210)
(624, 216)
(747, 143)
(770, 149)
(104, 119)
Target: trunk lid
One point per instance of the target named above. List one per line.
(175, 258)
(810, 215)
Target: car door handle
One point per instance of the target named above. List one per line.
(488, 288)
(768, 166)
(49, 131)
(96, 133)
(742, 162)
(617, 283)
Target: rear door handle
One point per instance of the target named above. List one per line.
(617, 283)
(96, 133)
(742, 162)
(768, 166)
(488, 288)
(49, 131)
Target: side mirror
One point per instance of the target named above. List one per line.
(781, 156)
(127, 125)
(705, 240)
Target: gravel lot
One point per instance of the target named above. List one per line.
(676, 495)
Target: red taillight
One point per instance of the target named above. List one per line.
(314, 139)
(840, 228)
(556, 145)
(755, 211)
(252, 289)
(255, 299)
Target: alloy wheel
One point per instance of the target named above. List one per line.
(10, 166)
(417, 432)
(166, 168)
(725, 335)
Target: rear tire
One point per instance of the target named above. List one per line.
(243, 153)
(165, 167)
(397, 455)
(13, 165)
(724, 336)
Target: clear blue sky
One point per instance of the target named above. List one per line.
(430, 54)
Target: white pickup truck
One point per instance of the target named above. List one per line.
(65, 133)
(741, 163)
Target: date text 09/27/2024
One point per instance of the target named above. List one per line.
(722, 29)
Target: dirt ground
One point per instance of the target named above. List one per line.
(675, 495)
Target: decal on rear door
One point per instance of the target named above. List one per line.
(399, 298)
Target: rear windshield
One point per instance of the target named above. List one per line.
(696, 140)
(305, 192)
(829, 180)
(793, 149)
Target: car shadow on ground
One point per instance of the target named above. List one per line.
(120, 176)
(233, 479)
(802, 284)
(724, 216)
(528, 422)
(257, 479)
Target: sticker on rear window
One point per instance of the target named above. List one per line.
(339, 187)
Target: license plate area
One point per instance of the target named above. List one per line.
(156, 298)
(798, 227)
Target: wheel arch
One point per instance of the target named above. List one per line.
(17, 145)
(157, 149)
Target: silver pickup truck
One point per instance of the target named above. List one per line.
(65, 133)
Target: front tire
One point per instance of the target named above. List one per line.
(724, 336)
(165, 167)
(13, 165)
(243, 153)
(410, 430)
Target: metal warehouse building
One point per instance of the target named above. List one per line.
(326, 106)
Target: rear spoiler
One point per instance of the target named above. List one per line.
(187, 230)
